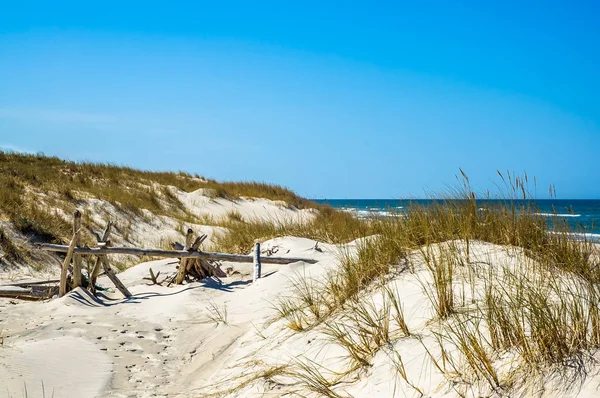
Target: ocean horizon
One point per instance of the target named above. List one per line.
(582, 215)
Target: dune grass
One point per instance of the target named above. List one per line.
(544, 315)
(35, 186)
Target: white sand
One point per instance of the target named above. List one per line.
(150, 345)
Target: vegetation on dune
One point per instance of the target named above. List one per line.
(35, 186)
(543, 314)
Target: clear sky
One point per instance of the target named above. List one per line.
(332, 99)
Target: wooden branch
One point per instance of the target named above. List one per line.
(211, 270)
(15, 290)
(111, 275)
(96, 269)
(77, 260)
(183, 262)
(22, 296)
(31, 283)
(236, 258)
(198, 242)
(65, 266)
(154, 278)
(106, 232)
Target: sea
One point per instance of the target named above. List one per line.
(583, 216)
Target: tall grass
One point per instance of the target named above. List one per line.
(34, 184)
(545, 314)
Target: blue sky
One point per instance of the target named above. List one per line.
(333, 99)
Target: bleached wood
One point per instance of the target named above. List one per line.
(236, 258)
(198, 242)
(189, 241)
(65, 266)
(96, 270)
(77, 260)
(30, 283)
(113, 277)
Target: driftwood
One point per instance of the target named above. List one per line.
(22, 296)
(30, 283)
(237, 258)
(29, 291)
(154, 277)
(65, 266)
(181, 272)
(196, 268)
(96, 270)
(198, 242)
(15, 290)
(77, 260)
(113, 278)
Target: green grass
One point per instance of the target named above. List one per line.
(530, 313)
(32, 184)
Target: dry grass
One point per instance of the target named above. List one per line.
(328, 225)
(11, 251)
(32, 184)
(217, 314)
(544, 314)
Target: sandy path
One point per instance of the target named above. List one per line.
(142, 347)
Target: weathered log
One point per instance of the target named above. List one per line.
(30, 283)
(96, 269)
(15, 290)
(236, 258)
(22, 296)
(65, 266)
(77, 260)
(184, 261)
(111, 275)
(211, 270)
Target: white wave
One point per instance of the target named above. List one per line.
(371, 212)
(558, 215)
(580, 235)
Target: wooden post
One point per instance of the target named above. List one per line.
(65, 267)
(111, 275)
(189, 241)
(96, 270)
(77, 260)
(257, 264)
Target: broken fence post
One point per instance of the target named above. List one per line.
(96, 269)
(65, 266)
(77, 260)
(189, 241)
(257, 264)
(111, 275)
